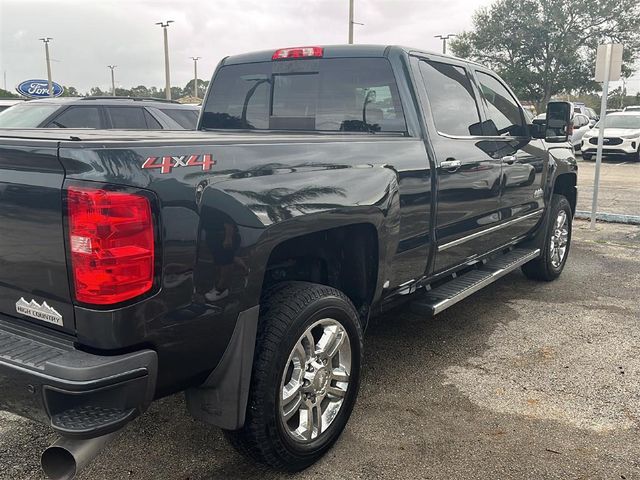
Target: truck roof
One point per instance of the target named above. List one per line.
(336, 51)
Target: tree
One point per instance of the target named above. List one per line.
(176, 92)
(545, 47)
(202, 88)
(70, 92)
(97, 92)
(140, 91)
(7, 94)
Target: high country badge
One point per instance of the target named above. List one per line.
(41, 312)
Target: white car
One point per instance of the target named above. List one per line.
(621, 136)
(581, 125)
(579, 107)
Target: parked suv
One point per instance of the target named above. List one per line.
(621, 137)
(579, 107)
(101, 112)
(581, 125)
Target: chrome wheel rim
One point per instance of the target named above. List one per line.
(559, 239)
(315, 380)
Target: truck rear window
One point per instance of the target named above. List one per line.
(331, 94)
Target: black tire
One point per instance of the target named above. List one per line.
(542, 268)
(287, 310)
(586, 156)
(635, 157)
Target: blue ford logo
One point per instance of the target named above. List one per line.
(38, 89)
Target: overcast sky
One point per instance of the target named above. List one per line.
(89, 35)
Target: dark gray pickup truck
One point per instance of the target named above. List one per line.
(241, 263)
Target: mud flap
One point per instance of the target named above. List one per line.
(222, 399)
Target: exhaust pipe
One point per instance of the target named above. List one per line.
(67, 456)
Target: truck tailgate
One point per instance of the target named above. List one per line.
(34, 283)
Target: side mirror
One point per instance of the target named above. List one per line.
(559, 124)
(538, 129)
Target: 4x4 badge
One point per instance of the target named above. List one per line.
(165, 164)
(41, 312)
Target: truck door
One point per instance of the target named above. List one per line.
(523, 158)
(468, 176)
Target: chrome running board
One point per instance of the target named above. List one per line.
(442, 297)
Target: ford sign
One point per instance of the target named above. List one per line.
(38, 89)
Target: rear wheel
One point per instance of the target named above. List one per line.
(306, 376)
(549, 265)
(586, 156)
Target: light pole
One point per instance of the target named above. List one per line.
(195, 75)
(444, 40)
(351, 22)
(46, 41)
(167, 93)
(113, 81)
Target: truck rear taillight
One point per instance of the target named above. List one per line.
(111, 238)
(297, 52)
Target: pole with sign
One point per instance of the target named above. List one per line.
(608, 67)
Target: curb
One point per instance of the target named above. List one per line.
(610, 217)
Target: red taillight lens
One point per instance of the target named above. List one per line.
(112, 245)
(297, 52)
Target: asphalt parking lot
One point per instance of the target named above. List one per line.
(522, 380)
(619, 190)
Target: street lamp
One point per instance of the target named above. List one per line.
(167, 93)
(46, 41)
(195, 75)
(444, 40)
(113, 81)
(351, 22)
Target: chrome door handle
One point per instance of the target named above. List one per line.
(509, 159)
(451, 164)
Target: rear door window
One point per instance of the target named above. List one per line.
(453, 103)
(184, 117)
(127, 118)
(330, 94)
(77, 117)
